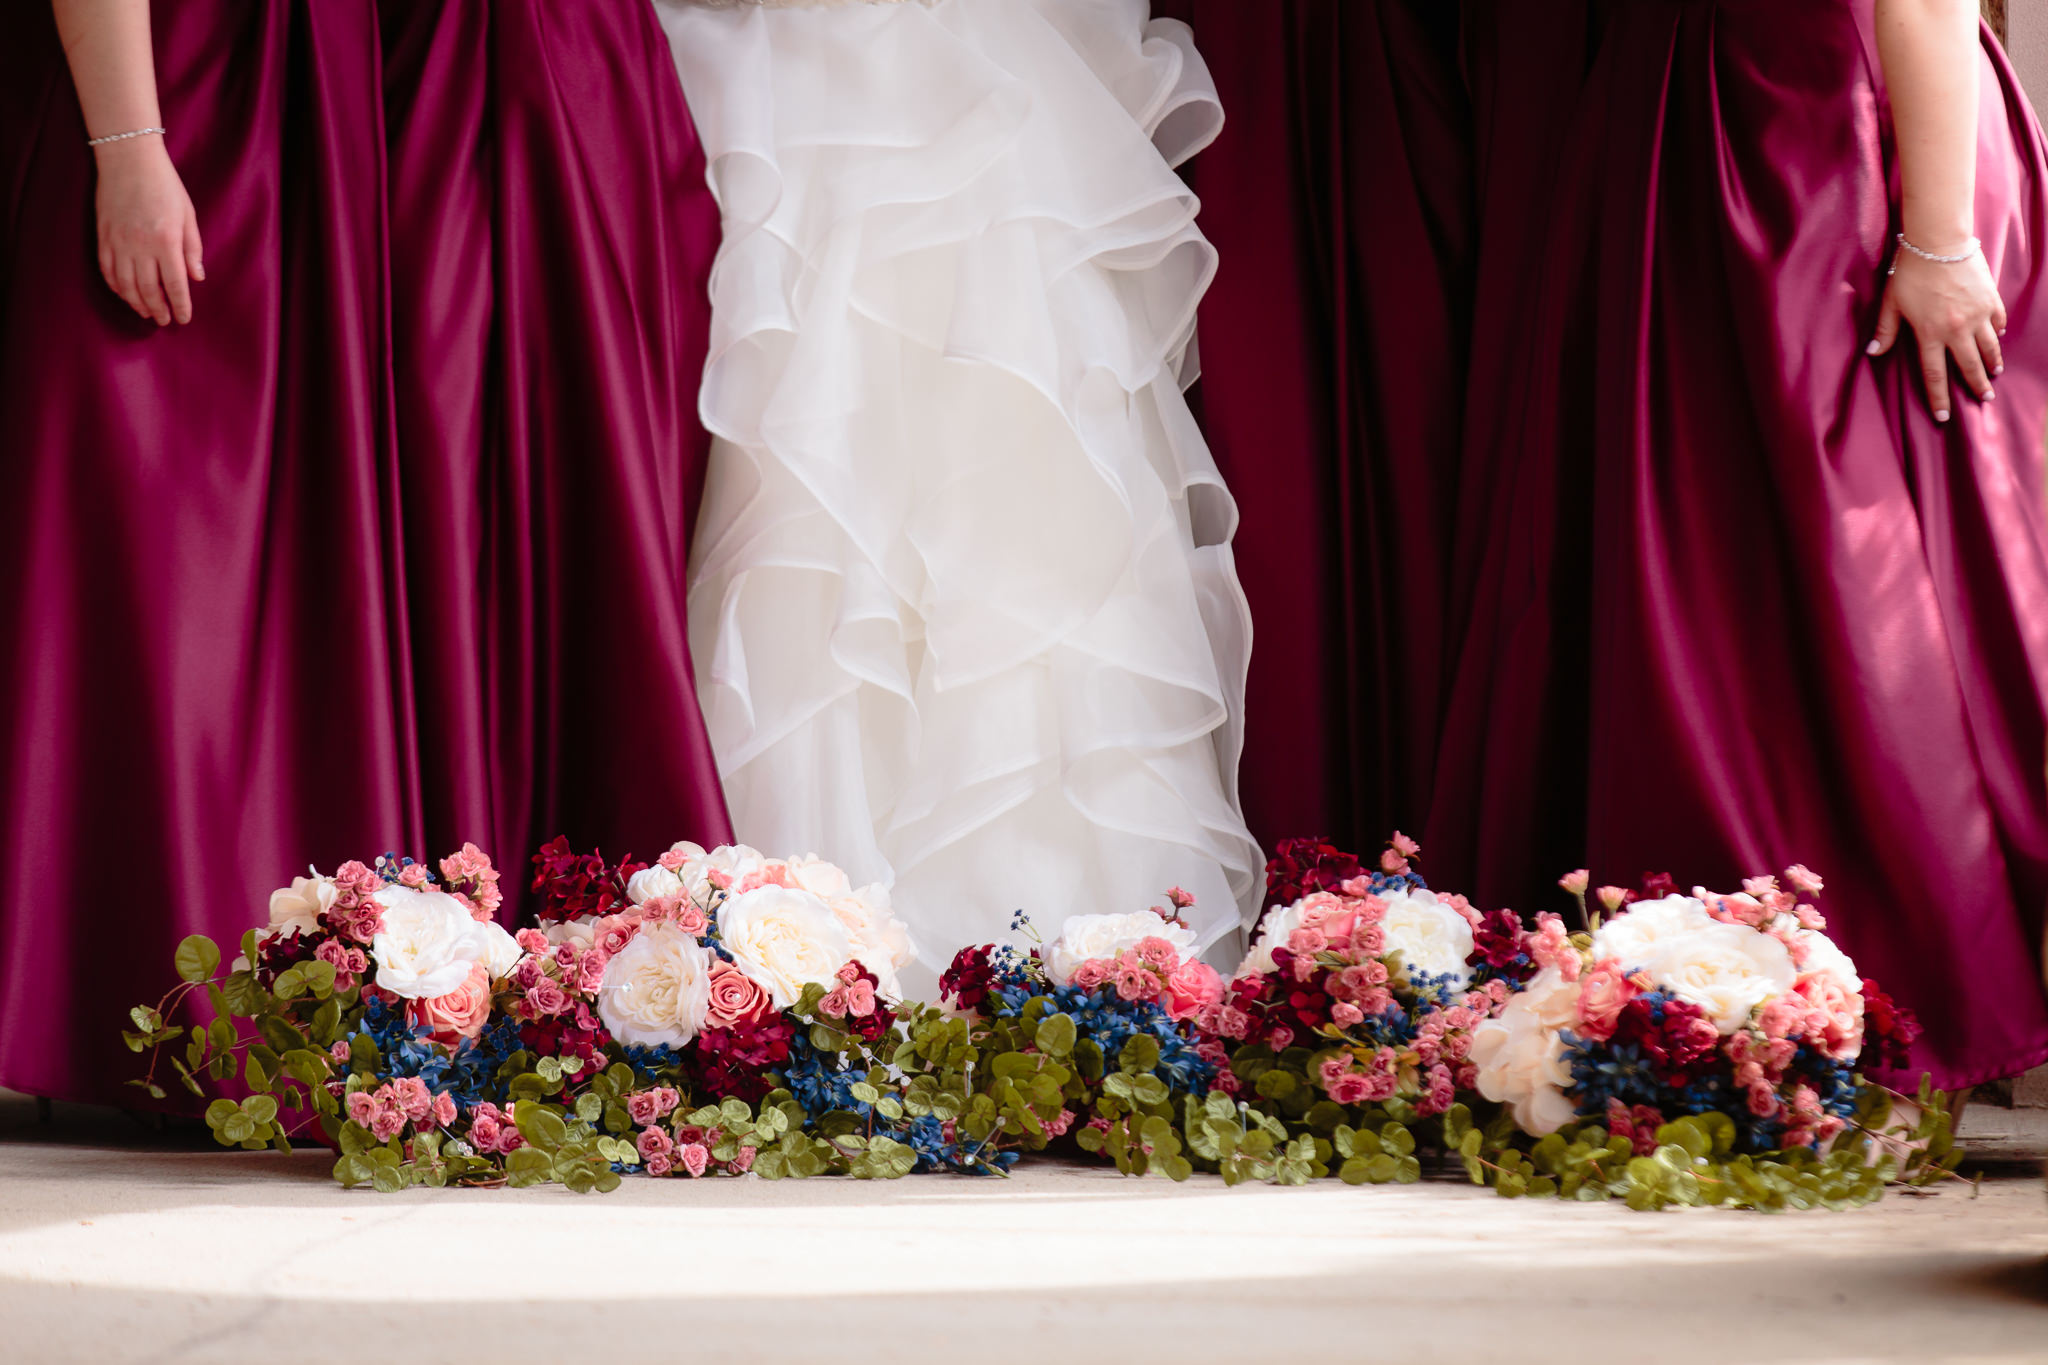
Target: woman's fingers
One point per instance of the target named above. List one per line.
(1970, 362)
(177, 291)
(1992, 348)
(195, 251)
(125, 285)
(1998, 318)
(1934, 370)
(151, 287)
(1887, 325)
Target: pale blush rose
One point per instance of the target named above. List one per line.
(1519, 1054)
(881, 942)
(1804, 880)
(719, 868)
(1834, 1015)
(1826, 957)
(736, 998)
(785, 939)
(658, 991)
(1634, 934)
(297, 908)
(1432, 938)
(1087, 937)
(1192, 987)
(1726, 969)
(1604, 991)
(427, 942)
(1575, 882)
(1279, 926)
(460, 1014)
(653, 883)
(501, 950)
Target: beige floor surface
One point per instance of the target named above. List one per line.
(117, 1245)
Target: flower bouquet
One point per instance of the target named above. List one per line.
(1114, 1002)
(1696, 1049)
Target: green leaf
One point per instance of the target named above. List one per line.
(197, 958)
(527, 1166)
(1140, 1053)
(260, 1109)
(540, 1125)
(1057, 1035)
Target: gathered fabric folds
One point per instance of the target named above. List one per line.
(962, 595)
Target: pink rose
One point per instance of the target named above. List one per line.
(1404, 845)
(1344, 1014)
(1233, 1022)
(349, 963)
(654, 1142)
(695, 1158)
(361, 1108)
(531, 941)
(460, 1014)
(444, 1110)
(1834, 1016)
(660, 1164)
(860, 999)
(643, 1107)
(1804, 880)
(1157, 953)
(1134, 982)
(1091, 974)
(1392, 863)
(1604, 992)
(1281, 1037)
(1575, 882)
(744, 1161)
(736, 998)
(834, 1003)
(484, 1132)
(665, 1100)
(546, 997)
(1307, 941)
(414, 1098)
(1192, 987)
(1179, 899)
(1351, 1088)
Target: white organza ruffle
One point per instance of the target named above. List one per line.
(962, 597)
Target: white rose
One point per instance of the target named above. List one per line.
(297, 908)
(1632, 936)
(427, 944)
(731, 861)
(657, 989)
(1825, 958)
(501, 951)
(881, 942)
(653, 883)
(1278, 927)
(1086, 937)
(1432, 939)
(1520, 1053)
(784, 939)
(822, 879)
(1725, 969)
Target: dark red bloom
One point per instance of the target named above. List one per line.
(1301, 867)
(1498, 946)
(1656, 886)
(1889, 1029)
(572, 885)
(1675, 1035)
(734, 1062)
(970, 978)
(280, 951)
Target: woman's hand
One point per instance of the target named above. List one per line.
(1954, 310)
(149, 237)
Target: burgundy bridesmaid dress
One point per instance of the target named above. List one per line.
(552, 235)
(1741, 602)
(201, 620)
(1333, 342)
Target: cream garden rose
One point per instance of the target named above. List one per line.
(653, 883)
(881, 942)
(1084, 938)
(297, 908)
(657, 989)
(1432, 938)
(1725, 969)
(1520, 1053)
(429, 940)
(1280, 923)
(1631, 937)
(785, 939)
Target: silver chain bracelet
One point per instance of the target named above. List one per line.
(123, 137)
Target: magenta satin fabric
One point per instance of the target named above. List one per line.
(1738, 600)
(552, 239)
(1332, 350)
(385, 550)
(201, 606)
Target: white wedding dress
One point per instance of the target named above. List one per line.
(963, 605)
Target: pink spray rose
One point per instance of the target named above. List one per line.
(460, 1014)
(1192, 987)
(736, 998)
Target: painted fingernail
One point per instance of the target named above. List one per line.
(1999, 370)
(1990, 394)
(1941, 414)
(1872, 349)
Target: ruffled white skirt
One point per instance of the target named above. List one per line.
(962, 597)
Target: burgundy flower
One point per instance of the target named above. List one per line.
(1889, 1029)
(1656, 886)
(1498, 946)
(970, 978)
(1301, 867)
(735, 1061)
(572, 885)
(1682, 1044)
